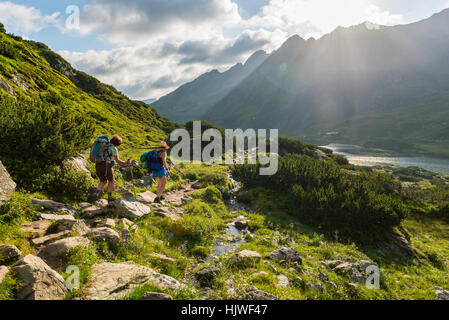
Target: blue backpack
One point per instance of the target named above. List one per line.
(152, 161)
(100, 149)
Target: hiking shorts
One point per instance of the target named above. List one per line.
(160, 174)
(104, 171)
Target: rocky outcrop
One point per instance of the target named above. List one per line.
(104, 234)
(40, 282)
(55, 253)
(79, 163)
(246, 258)
(5, 86)
(256, 294)
(128, 208)
(7, 186)
(111, 281)
(285, 255)
(9, 253)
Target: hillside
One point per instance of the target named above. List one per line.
(374, 86)
(30, 70)
(194, 99)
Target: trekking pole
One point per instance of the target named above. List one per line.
(132, 179)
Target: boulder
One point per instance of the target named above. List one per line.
(156, 296)
(55, 253)
(331, 264)
(42, 241)
(79, 163)
(102, 203)
(105, 234)
(9, 253)
(40, 282)
(442, 295)
(285, 255)
(259, 295)
(207, 275)
(37, 227)
(356, 276)
(282, 282)
(53, 206)
(104, 223)
(7, 186)
(128, 208)
(110, 281)
(246, 257)
(3, 272)
(74, 226)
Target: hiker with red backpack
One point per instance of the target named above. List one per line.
(104, 154)
(156, 163)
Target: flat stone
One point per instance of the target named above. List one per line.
(50, 238)
(40, 282)
(246, 257)
(156, 296)
(106, 223)
(105, 234)
(146, 197)
(128, 208)
(53, 206)
(56, 217)
(110, 281)
(36, 227)
(55, 253)
(9, 253)
(93, 212)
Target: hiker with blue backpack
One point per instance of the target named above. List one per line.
(156, 163)
(104, 154)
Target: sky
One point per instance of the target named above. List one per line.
(148, 48)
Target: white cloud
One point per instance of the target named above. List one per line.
(23, 19)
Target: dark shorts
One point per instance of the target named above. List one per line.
(104, 171)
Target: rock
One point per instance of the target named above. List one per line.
(80, 164)
(343, 268)
(172, 213)
(256, 294)
(125, 235)
(7, 186)
(36, 227)
(125, 223)
(93, 212)
(53, 206)
(156, 296)
(56, 217)
(107, 223)
(3, 272)
(442, 295)
(283, 281)
(241, 224)
(50, 238)
(40, 282)
(105, 234)
(146, 197)
(75, 226)
(9, 253)
(246, 257)
(331, 264)
(260, 274)
(314, 286)
(161, 258)
(110, 281)
(5, 86)
(84, 205)
(55, 254)
(333, 285)
(363, 265)
(356, 276)
(102, 203)
(207, 275)
(286, 255)
(129, 208)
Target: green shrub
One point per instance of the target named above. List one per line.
(209, 195)
(17, 210)
(2, 28)
(195, 228)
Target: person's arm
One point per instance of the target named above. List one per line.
(122, 163)
(164, 160)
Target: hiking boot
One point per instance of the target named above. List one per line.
(111, 199)
(157, 200)
(162, 198)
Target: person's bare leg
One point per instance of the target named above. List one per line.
(101, 186)
(160, 187)
(111, 187)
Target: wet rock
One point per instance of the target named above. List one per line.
(259, 295)
(285, 255)
(9, 253)
(207, 275)
(7, 186)
(110, 281)
(156, 296)
(40, 282)
(104, 234)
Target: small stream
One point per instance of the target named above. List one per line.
(233, 237)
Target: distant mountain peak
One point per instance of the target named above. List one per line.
(256, 58)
